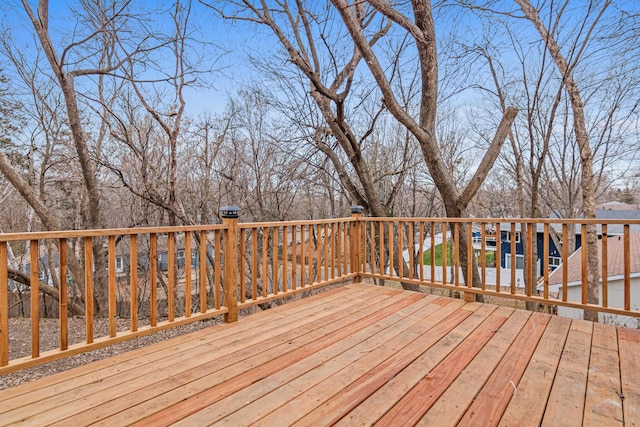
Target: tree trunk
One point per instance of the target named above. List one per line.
(422, 29)
(25, 280)
(66, 83)
(586, 156)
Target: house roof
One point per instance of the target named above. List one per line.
(615, 260)
(615, 205)
(612, 229)
(618, 214)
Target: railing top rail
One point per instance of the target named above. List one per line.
(38, 235)
(8, 237)
(294, 223)
(506, 220)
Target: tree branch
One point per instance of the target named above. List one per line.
(489, 158)
(20, 277)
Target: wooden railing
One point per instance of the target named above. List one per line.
(164, 277)
(158, 278)
(537, 242)
(283, 258)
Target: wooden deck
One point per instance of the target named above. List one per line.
(358, 355)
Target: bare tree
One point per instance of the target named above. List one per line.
(76, 72)
(312, 47)
(422, 29)
(579, 124)
(325, 61)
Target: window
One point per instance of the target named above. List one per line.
(554, 262)
(519, 261)
(517, 236)
(181, 253)
(119, 263)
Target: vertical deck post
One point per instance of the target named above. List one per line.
(230, 269)
(355, 238)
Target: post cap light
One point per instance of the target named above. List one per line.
(229, 211)
(357, 209)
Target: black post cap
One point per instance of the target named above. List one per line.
(229, 211)
(357, 209)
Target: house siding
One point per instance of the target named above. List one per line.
(505, 249)
(615, 291)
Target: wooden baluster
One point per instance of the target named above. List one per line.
(421, 251)
(498, 256)
(153, 280)
(443, 252)
(133, 282)
(583, 252)
(605, 266)
(217, 254)
(545, 250)
(203, 271)
(310, 255)
(340, 251)
(514, 258)
(254, 264)
(303, 253)
(400, 251)
(294, 257)
(456, 253)
(483, 255)
(325, 245)
(34, 297)
(371, 246)
(285, 258)
(187, 273)
(111, 255)
(470, 255)
(627, 268)
(319, 252)
(4, 306)
(171, 275)
(88, 289)
(347, 247)
(391, 268)
(381, 247)
(265, 262)
(63, 299)
(334, 255)
(411, 248)
(275, 255)
(433, 252)
(565, 264)
(530, 261)
(243, 271)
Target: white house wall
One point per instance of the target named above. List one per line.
(616, 299)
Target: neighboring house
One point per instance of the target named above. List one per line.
(122, 263)
(618, 229)
(44, 273)
(163, 258)
(555, 255)
(615, 281)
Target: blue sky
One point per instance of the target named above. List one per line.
(224, 49)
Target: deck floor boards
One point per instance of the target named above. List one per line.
(358, 355)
